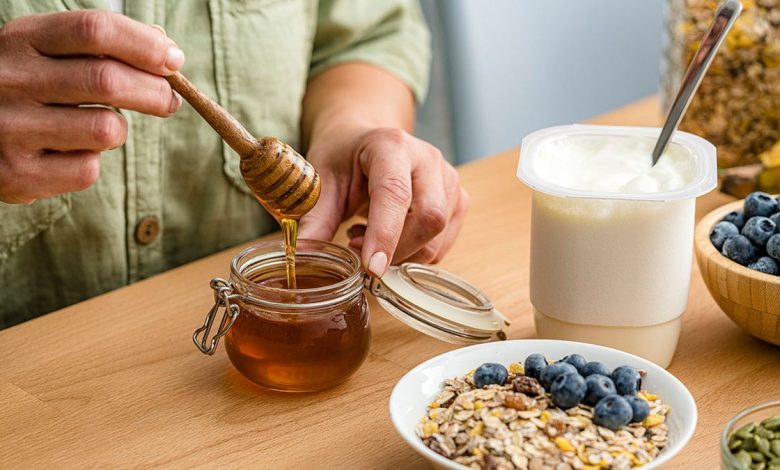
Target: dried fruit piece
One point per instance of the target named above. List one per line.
(564, 444)
(430, 428)
(653, 420)
(528, 385)
(519, 401)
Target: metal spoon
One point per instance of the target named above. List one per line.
(724, 19)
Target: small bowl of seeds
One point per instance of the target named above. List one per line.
(751, 440)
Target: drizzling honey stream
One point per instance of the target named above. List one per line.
(280, 178)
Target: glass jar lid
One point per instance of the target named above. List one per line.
(438, 303)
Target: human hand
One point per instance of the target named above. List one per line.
(411, 194)
(51, 64)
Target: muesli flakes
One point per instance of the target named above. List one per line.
(499, 427)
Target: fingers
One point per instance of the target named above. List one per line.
(25, 180)
(107, 82)
(323, 220)
(67, 129)
(454, 226)
(457, 204)
(104, 33)
(428, 215)
(390, 193)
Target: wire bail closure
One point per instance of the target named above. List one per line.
(223, 292)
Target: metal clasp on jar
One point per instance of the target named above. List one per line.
(223, 293)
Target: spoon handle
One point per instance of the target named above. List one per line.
(222, 121)
(724, 19)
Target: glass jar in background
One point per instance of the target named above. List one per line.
(737, 106)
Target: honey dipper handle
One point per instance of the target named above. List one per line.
(222, 121)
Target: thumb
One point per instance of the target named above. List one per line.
(323, 220)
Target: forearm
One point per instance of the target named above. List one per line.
(355, 95)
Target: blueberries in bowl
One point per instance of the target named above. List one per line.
(599, 386)
(613, 412)
(568, 390)
(773, 247)
(534, 365)
(756, 242)
(758, 230)
(776, 219)
(594, 368)
(740, 250)
(627, 380)
(765, 264)
(489, 374)
(553, 371)
(639, 407)
(577, 360)
(759, 203)
(721, 232)
(614, 396)
(736, 217)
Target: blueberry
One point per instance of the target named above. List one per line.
(640, 408)
(594, 368)
(758, 230)
(534, 365)
(576, 360)
(737, 218)
(568, 390)
(759, 203)
(776, 219)
(740, 250)
(722, 232)
(613, 412)
(765, 264)
(490, 373)
(773, 247)
(599, 386)
(627, 380)
(551, 372)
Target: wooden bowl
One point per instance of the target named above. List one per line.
(750, 298)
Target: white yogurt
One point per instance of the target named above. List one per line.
(613, 164)
(611, 235)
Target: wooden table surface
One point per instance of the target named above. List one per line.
(116, 381)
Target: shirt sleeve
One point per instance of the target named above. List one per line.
(391, 34)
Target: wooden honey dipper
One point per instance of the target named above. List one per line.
(280, 178)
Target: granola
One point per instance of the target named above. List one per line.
(737, 106)
(498, 427)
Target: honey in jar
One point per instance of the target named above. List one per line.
(304, 339)
(316, 335)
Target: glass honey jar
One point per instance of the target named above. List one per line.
(317, 335)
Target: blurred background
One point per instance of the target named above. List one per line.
(504, 68)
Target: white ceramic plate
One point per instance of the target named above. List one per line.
(420, 386)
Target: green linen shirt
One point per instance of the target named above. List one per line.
(254, 57)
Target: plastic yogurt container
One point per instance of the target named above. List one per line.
(612, 240)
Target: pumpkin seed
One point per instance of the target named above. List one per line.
(749, 444)
(775, 447)
(735, 444)
(757, 456)
(772, 423)
(744, 458)
(746, 431)
(762, 444)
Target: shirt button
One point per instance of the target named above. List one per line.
(147, 230)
